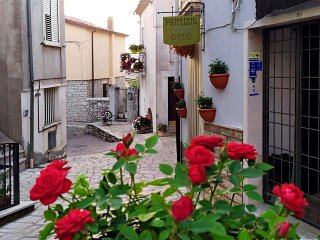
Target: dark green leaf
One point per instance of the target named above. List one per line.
(164, 234)
(119, 164)
(94, 227)
(140, 148)
(50, 215)
(146, 216)
(251, 173)
(218, 229)
(166, 169)
(44, 233)
(249, 187)
(255, 196)
(200, 227)
(103, 223)
(131, 167)
(251, 208)
(84, 182)
(145, 235)
(112, 177)
(222, 207)
(128, 232)
(80, 191)
(152, 141)
(235, 189)
(115, 202)
(151, 151)
(235, 166)
(117, 190)
(263, 166)
(85, 202)
(235, 180)
(112, 154)
(159, 182)
(59, 208)
(262, 233)
(169, 191)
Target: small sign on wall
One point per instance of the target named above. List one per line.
(254, 65)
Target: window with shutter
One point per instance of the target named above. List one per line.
(51, 21)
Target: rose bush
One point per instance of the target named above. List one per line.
(188, 203)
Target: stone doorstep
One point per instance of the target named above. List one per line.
(13, 213)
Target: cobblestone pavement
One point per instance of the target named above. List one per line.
(29, 226)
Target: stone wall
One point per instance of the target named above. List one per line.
(100, 133)
(132, 104)
(96, 108)
(230, 135)
(120, 81)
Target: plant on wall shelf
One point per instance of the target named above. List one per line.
(218, 74)
(137, 66)
(181, 108)
(125, 64)
(134, 48)
(178, 89)
(183, 51)
(205, 109)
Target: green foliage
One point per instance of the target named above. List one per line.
(162, 127)
(217, 67)
(203, 101)
(181, 103)
(177, 85)
(136, 48)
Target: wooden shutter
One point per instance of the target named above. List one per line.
(51, 20)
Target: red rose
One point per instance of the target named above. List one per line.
(291, 197)
(199, 155)
(197, 174)
(59, 165)
(125, 152)
(282, 229)
(127, 140)
(238, 151)
(72, 223)
(207, 141)
(182, 209)
(51, 183)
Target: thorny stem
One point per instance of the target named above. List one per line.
(232, 199)
(121, 176)
(174, 232)
(134, 186)
(65, 199)
(216, 184)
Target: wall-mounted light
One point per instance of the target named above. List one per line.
(130, 95)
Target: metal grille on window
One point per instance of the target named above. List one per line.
(51, 19)
(49, 105)
(292, 112)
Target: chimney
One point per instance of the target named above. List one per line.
(110, 23)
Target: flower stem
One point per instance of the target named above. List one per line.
(64, 199)
(232, 199)
(217, 183)
(134, 186)
(121, 176)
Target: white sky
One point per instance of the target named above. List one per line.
(98, 11)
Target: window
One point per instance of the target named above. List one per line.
(49, 105)
(51, 21)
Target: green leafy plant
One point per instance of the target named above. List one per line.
(177, 85)
(162, 127)
(138, 66)
(142, 122)
(203, 101)
(181, 103)
(217, 67)
(4, 183)
(186, 204)
(134, 48)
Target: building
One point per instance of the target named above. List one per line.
(274, 107)
(156, 92)
(93, 66)
(32, 73)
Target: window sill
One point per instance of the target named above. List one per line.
(52, 44)
(45, 127)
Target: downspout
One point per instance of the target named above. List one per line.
(92, 64)
(31, 86)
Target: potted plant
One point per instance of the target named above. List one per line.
(178, 89)
(207, 112)
(137, 66)
(5, 198)
(184, 51)
(218, 74)
(134, 48)
(142, 124)
(162, 129)
(181, 108)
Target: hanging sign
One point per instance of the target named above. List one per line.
(181, 30)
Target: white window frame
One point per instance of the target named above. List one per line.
(54, 27)
(51, 106)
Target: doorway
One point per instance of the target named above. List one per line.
(292, 111)
(172, 100)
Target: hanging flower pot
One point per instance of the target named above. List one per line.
(182, 112)
(218, 74)
(207, 114)
(219, 81)
(179, 93)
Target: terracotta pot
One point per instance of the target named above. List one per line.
(179, 93)
(207, 114)
(219, 81)
(182, 112)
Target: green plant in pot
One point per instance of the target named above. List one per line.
(178, 89)
(136, 48)
(181, 108)
(207, 112)
(162, 128)
(138, 66)
(5, 197)
(218, 74)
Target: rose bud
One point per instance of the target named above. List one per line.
(282, 229)
(182, 209)
(127, 140)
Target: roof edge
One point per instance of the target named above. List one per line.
(141, 6)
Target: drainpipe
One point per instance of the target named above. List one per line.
(92, 64)
(31, 86)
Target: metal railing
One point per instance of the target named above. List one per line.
(9, 175)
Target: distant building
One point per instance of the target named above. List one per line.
(93, 65)
(32, 73)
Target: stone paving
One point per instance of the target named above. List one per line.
(29, 226)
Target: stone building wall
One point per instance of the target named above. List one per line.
(230, 135)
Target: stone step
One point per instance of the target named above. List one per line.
(13, 213)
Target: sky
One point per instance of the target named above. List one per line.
(98, 11)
